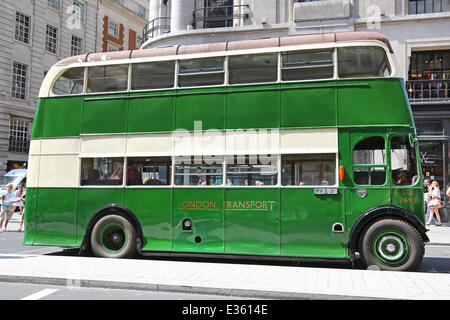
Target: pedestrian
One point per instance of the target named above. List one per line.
(426, 198)
(7, 200)
(20, 203)
(435, 203)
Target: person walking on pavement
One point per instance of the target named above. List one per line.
(435, 202)
(426, 196)
(20, 202)
(7, 199)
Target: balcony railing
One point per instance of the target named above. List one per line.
(428, 90)
(19, 145)
(156, 27)
(219, 16)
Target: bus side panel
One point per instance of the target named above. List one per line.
(306, 223)
(410, 199)
(90, 200)
(203, 208)
(102, 114)
(252, 221)
(62, 117)
(308, 105)
(152, 114)
(56, 216)
(38, 121)
(153, 209)
(383, 99)
(30, 216)
(252, 110)
(209, 108)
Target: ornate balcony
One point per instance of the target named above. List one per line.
(219, 16)
(428, 90)
(156, 27)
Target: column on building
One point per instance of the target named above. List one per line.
(181, 14)
(154, 13)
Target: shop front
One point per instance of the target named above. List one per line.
(434, 156)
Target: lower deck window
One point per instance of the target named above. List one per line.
(308, 169)
(101, 171)
(254, 170)
(149, 171)
(198, 171)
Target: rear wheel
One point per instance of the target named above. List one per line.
(113, 236)
(391, 245)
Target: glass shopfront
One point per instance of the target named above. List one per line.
(434, 156)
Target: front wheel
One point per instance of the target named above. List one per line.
(113, 236)
(391, 245)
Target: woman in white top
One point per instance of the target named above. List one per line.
(20, 202)
(435, 202)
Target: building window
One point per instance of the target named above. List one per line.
(113, 29)
(77, 46)
(429, 75)
(429, 127)
(112, 47)
(141, 12)
(51, 39)
(55, 4)
(218, 13)
(19, 83)
(22, 28)
(78, 10)
(18, 135)
(428, 6)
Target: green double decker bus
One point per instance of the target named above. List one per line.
(299, 147)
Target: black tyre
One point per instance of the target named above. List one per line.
(113, 236)
(391, 244)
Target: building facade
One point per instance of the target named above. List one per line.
(417, 29)
(36, 34)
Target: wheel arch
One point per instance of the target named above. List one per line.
(379, 213)
(118, 209)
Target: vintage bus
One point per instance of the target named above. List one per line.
(300, 147)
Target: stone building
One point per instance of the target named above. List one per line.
(35, 34)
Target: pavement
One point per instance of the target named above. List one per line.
(229, 279)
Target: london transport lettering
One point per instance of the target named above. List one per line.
(249, 205)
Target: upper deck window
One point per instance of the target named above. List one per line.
(357, 62)
(201, 72)
(154, 75)
(70, 82)
(253, 68)
(307, 65)
(110, 78)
